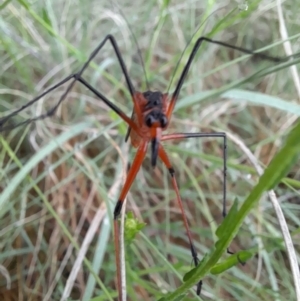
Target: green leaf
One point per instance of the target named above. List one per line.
(24, 3)
(278, 168)
(47, 19)
(4, 4)
(263, 100)
(229, 219)
(189, 274)
(238, 258)
(283, 171)
(132, 227)
(179, 298)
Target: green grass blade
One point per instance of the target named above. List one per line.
(277, 168)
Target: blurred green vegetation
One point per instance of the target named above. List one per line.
(57, 173)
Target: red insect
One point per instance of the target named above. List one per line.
(152, 112)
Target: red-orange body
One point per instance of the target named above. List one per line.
(156, 108)
(151, 116)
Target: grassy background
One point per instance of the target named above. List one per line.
(74, 162)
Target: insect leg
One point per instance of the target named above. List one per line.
(164, 157)
(75, 77)
(207, 135)
(193, 54)
(52, 110)
(139, 157)
(166, 160)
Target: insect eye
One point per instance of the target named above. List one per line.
(163, 121)
(149, 120)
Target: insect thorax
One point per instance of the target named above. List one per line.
(154, 109)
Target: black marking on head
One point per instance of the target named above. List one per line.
(163, 121)
(156, 116)
(154, 99)
(150, 119)
(155, 104)
(154, 151)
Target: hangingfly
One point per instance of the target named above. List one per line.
(152, 112)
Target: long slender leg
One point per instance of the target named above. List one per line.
(164, 157)
(76, 77)
(207, 135)
(193, 53)
(166, 160)
(139, 157)
(6, 118)
(52, 110)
